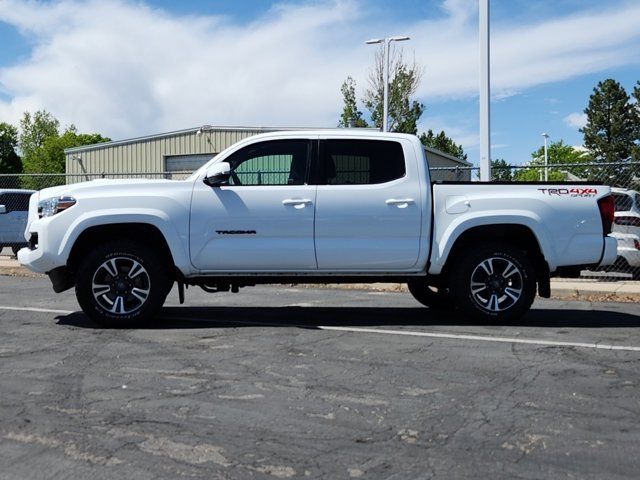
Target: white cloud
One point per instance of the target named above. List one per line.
(123, 68)
(576, 119)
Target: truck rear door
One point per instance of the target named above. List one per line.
(368, 205)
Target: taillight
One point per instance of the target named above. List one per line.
(607, 209)
(636, 243)
(628, 221)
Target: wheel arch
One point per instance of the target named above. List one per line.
(145, 233)
(518, 235)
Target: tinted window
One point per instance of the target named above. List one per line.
(358, 162)
(15, 201)
(280, 162)
(623, 202)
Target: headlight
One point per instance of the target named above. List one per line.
(51, 206)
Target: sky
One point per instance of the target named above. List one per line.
(127, 68)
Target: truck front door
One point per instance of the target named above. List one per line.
(263, 219)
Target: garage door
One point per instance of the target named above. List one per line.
(186, 163)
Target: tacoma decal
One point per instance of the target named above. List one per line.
(236, 232)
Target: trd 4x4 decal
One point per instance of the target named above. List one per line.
(571, 192)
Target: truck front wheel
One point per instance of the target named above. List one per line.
(496, 282)
(122, 284)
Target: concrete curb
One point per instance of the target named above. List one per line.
(584, 289)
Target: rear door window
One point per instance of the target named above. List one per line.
(361, 162)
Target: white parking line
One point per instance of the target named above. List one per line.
(380, 331)
(33, 309)
(483, 338)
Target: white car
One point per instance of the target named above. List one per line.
(628, 260)
(14, 211)
(627, 216)
(324, 206)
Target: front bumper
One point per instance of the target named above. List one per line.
(610, 252)
(41, 257)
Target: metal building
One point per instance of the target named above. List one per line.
(172, 154)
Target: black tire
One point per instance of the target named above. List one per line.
(427, 295)
(635, 274)
(495, 282)
(110, 294)
(15, 249)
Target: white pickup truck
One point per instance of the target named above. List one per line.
(315, 207)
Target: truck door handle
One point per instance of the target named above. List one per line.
(400, 201)
(296, 202)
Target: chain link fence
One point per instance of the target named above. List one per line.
(15, 190)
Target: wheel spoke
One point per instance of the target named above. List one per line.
(100, 289)
(487, 266)
(140, 294)
(494, 303)
(136, 269)
(513, 293)
(118, 305)
(111, 267)
(510, 270)
(477, 287)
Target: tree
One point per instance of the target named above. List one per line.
(501, 171)
(9, 159)
(43, 147)
(636, 147)
(610, 128)
(563, 159)
(404, 79)
(35, 129)
(351, 116)
(443, 143)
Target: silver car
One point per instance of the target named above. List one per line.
(14, 210)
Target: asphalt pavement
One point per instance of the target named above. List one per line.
(285, 382)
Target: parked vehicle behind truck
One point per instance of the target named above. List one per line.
(316, 207)
(14, 207)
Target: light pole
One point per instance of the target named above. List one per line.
(546, 158)
(385, 74)
(485, 91)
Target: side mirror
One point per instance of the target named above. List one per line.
(3, 209)
(218, 174)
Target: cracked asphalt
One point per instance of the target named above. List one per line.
(249, 385)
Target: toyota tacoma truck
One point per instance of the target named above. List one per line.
(333, 206)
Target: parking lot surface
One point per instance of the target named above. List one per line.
(279, 382)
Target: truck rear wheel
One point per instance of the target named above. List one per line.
(496, 282)
(427, 295)
(122, 284)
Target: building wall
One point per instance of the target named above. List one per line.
(147, 155)
(444, 168)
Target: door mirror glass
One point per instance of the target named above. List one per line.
(3, 209)
(218, 174)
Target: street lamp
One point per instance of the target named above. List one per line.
(546, 158)
(385, 61)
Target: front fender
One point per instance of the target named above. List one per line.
(176, 238)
